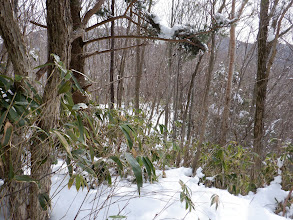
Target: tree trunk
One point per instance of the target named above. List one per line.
(205, 106)
(112, 58)
(261, 85)
(225, 117)
(13, 39)
(139, 66)
(59, 27)
(120, 88)
(14, 43)
(183, 129)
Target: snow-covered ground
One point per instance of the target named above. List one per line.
(161, 200)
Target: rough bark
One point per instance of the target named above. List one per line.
(13, 39)
(59, 28)
(139, 67)
(77, 50)
(14, 43)
(261, 84)
(232, 47)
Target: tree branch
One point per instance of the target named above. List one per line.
(106, 51)
(129, 6)
(92, 11)
(141, 37)
(109, 20)
(125, 77)
(38, 24)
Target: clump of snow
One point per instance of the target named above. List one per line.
(238, 98)
(211, 178)
(221, 19)
(34, 53)
(280, 163)
(165, 31)
(243, 114)
(158, 147)
(271, 35)
(199, 173)
(79, 106)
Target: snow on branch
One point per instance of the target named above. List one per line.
(177, 32)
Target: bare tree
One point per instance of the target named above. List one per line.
(267, 49)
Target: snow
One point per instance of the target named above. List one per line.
(80, 106)
(238, 98)
(165, 31)
(243, 113)
(221, 19)
(271, 35)
(160, 200)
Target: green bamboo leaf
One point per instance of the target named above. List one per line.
(23, 178)
(65, 87)
(13, 115)
(69, 166)
(8, 128)
(44, 65)
(151, 165)
(81, 129)
(72, 136)
(71, 180)
(136, 170)
(44, 200)
(117, 216)
(126, 131)
(37, 97)
(77, 182)
(2, 119)
(68, 75)
(18, 78)
(148, 168)
(5, 81)
(77, 83)
(118, 162)
(63, 142)
(86, 168)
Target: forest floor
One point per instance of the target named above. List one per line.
(161, 199)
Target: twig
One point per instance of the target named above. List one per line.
(286, 201)
(38, 24)
(106, 51)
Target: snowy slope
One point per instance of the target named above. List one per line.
(160, 200)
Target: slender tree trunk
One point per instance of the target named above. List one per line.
(190, 118)
(169, 90)
(183, 128)
(139, 68)
(120, 88)
(112, 55)
(261, 84)
(205, 106)
(227, 104)
(175, 98)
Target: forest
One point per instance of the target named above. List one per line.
(109, 92)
